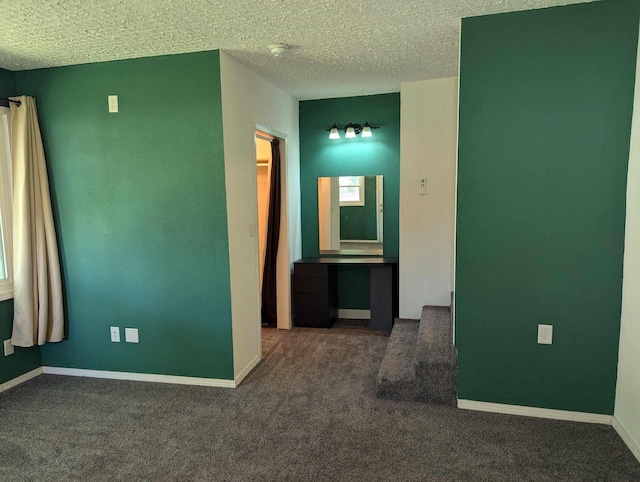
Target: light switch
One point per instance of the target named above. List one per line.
(113, 103)
(423, 186)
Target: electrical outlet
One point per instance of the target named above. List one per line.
(131, 335)
(423, 186)
(113, 103)
(115, 334)
(545, 334)
(8, 348)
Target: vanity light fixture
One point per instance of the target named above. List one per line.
(351, 130)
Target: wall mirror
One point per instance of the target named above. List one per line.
(350, 215)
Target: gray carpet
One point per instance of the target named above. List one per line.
(436, 357)
(307, 413)
(420, 363)
(396, 378)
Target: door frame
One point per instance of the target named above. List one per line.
(283, 265)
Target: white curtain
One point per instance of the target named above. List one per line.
(38, 312)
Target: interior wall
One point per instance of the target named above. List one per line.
(139, 200)
(377, 155)
(546, 100)
(24, 359)
(428, 138)
(248, 99)
(627, 409)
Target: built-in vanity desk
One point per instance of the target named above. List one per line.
(315, 291)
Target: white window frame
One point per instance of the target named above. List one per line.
(360, 202)
(6, 205)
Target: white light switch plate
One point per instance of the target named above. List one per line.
(131, 335)
(545, 334)
(113, 103)
(8, 348)
(115, 334)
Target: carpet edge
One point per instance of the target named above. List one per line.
(626, 437)
(14, 382)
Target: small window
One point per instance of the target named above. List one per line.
(6, 194)
(351, 190)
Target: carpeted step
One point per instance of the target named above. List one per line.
(397, 376)
(436, 357)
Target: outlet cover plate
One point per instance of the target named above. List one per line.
(8, 348)
(131, 335)
(113, 103)
(115, 334)
(545, 334)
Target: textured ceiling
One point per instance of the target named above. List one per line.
(337, 48)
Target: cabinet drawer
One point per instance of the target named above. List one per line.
(311, 285)
(310, 270)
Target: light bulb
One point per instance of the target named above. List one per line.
(351, 133)
(366, 130)
(333, 133)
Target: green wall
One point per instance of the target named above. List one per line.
(361, 222)
(139, 200)
(7, 83)
(546, 102)
(24, 359)
(377, 155)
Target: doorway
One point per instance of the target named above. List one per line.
(273, 277)
(263, 176)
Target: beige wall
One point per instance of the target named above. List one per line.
(627, 411)
(248, 99)
(428, 137)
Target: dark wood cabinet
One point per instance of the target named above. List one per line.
(315, 295)
(315, 291)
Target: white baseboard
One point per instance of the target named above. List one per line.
(633, 445)
(246, 370)
(21, 379)
(348, 314)
(140, 377)
(535, 412)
